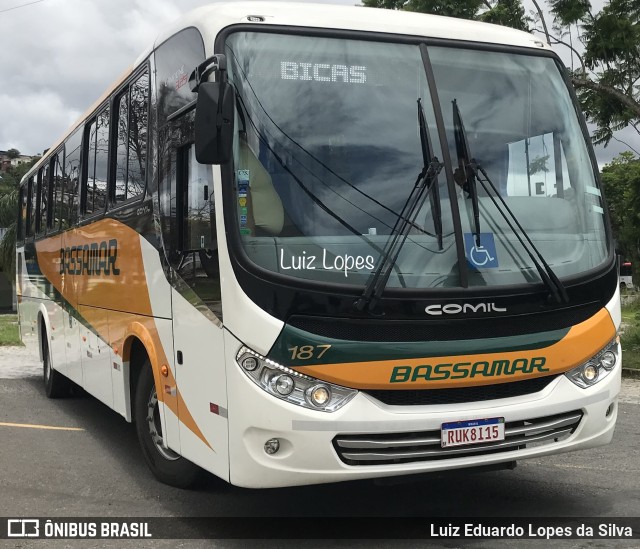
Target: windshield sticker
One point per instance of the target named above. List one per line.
(592, 190)
(483, 255)
(243, 188)
(327, 262)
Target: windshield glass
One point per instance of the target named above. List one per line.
(327, 149)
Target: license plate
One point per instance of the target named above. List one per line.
(475, 431)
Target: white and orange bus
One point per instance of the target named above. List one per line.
(309, 243)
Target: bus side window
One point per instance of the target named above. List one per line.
(58, 198)
(73, 148)
(31, 207)
(22, 215)
(44, 199)
(37, 203)
(94, 187)
(89, 182)
(131, 155)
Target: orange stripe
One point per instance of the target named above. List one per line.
(125, 292)
(581, 342)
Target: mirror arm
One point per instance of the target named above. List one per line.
(202, 72)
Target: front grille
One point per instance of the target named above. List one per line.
(417, 397)
(385, 449)
(369, 329)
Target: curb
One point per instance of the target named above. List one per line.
(631, 373)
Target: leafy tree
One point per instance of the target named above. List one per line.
(608, 78)
(9, 214)
(8, 219)
(502, 12)
(607, 48)
(11, 178)
(13, 153)
(621, 181)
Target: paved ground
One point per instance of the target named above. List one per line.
(17, 362)
(98, 471)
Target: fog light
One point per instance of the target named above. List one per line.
(250, 364)
(608, 360)
(590, 373)
(609, 410)
(284, 384)
(319, 395)
(272, 446)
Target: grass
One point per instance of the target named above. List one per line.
(630, 336)
(9, 330)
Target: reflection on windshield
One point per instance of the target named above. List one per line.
(327, 147)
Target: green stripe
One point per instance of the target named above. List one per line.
(344, 351)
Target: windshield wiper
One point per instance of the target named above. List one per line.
(464, 176)
(427, 157)
(426, 181)
(472, 170)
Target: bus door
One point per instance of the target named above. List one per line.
(189, 235)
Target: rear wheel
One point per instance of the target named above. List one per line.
(55, 384)
(165, 464)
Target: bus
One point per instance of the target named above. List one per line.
(626, 276)
(299, 244)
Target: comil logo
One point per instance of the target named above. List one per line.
(23, 528)
(463, 308)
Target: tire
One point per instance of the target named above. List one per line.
(55, 384)
(167, 466)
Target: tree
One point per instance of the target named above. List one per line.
(9, 215)
(621, 180)
(608, 78)
(11, 178)
(8, 219)
(501, 12)
(607, 48)
(13, 153)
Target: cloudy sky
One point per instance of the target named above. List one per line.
(58, 56)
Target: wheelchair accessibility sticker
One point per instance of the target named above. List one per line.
(484, 255)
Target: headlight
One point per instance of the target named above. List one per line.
(287, 384)
(597, 368)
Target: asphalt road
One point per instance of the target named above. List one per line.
(99, 471)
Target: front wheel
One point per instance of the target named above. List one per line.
(165, 464)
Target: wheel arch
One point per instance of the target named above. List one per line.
(134, 356)
(44, 329)
(137, 347)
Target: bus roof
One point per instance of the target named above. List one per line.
(211, 19)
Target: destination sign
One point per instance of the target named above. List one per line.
(323, 72)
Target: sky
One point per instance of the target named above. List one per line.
(58, 56)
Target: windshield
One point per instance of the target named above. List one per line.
(327, 150)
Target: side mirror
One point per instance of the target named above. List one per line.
(214, 122)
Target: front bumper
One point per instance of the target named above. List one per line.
(307, 454)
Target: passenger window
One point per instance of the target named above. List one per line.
(95, 189)
(22, 218)
(58, 198)
(44, 199)
(73, 149)
(31, 207)
(89, 185)
(102, 161)
(131, 156)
